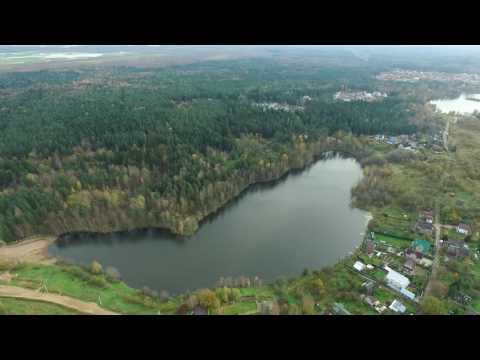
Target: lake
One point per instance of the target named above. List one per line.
(272, 230)
(461, 104)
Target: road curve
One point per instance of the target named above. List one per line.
(84, 307)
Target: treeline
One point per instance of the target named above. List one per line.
(124, 148)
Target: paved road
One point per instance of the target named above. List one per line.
(84, 307)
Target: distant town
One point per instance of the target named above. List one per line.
(348, 96)
(414, 76)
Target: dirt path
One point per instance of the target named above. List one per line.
(84, 307)
(436, 259)
(437, 225)
(32, 250)
(445, 135)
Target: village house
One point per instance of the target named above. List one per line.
(397, 306)
(370, 246)
(369, 286)
(407, 293)
(428, 216)
(374, 303)
(199, 310)
(462, 298)
(409, 266)
(426, 263)
(396, 280)
(392, 140)
(423, 227)
(418, 258)
(339, 309)
(370, 300)
(359, 266)
(456, 248)
(265, 307)
(463, 229)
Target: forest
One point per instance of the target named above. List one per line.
(125, 147)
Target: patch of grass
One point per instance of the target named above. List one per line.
(77, 283)
(12, 306)
(400, 243)
(239, 308)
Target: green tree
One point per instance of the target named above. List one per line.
(96, 268)
(432, 306)
(208, 299)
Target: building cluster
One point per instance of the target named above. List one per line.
(402, 270)
(410, 142)
(278, 107)
(424, 223)
(414, 76)
(404, 141)
(348, 96)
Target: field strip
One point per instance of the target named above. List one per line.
(84, 307)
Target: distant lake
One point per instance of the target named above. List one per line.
(301, 221)
(461, 104)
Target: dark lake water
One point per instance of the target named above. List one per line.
(301, 221)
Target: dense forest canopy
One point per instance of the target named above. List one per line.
(102, 149)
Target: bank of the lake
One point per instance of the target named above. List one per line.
(274, 229)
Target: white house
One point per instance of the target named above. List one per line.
(407, 293)
(463, 229)
(359, 266)
(397, 306)
(396, 280)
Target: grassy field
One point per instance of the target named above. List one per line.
(75, 282)
(240, 308)
(10, 306)
(399, 243)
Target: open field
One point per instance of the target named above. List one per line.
(77, 283)
(65, 301)
(14, 306)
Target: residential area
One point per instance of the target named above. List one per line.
(396, 265)
(414, 76)
(410, 142)
(348, 96)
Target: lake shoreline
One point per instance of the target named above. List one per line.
(220, 245)
(211, 215)
(42, 243)
(81, 235)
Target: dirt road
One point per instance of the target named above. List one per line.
(437, 226)
(84, 307)
(32, 250)
(436, 260)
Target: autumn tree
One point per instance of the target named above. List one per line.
(96, 268)
(432, 306)
(208, 299)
